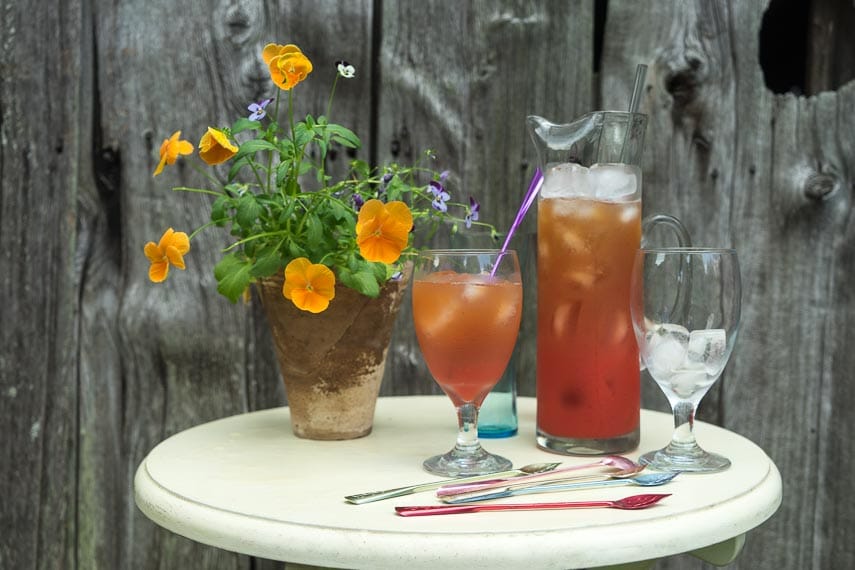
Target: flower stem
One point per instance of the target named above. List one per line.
(270, 154)
(197, 190)
(206, 174)
(329, 102)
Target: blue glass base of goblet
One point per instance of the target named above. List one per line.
(691, 459)
(465, 464)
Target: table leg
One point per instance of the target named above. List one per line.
(723, 553)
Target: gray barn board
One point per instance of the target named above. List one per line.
(97, 365)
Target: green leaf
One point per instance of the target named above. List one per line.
(302, 135)
(237, 165)
(266, 263)
(296, 250)
(341, 213)
(218, 210)
(253, 146)
(380, 271)
(287, 213)
(314, 230)
(360, 168)
(248, 210)
(362, 281)
(233, 276)
(344, 136)
(283, 170)
(244, 124)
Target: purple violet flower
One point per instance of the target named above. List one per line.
(358, 202)
(384, 182)
(258, 109)
(474, 209)
(440, 196)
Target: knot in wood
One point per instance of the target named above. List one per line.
(818, 186)
(238, 24)
(683, 80)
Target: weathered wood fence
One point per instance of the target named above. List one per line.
(97, 366)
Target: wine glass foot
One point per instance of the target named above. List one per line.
(456, 464)
(694, 460)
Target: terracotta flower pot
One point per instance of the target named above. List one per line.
(332, 362)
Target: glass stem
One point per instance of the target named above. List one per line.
(467, 428)
(684, 422)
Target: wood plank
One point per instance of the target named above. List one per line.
(40, 151)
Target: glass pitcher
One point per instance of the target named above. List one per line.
(589, 227)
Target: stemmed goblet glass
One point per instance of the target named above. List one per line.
(685, 305)
(467, 306)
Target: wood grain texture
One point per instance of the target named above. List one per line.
(40, 204)
(97, 365)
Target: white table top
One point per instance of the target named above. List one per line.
(247, 484)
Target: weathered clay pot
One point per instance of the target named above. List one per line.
(332, 362)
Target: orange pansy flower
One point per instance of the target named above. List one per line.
(310, 286)
(171, 249)
(171, 149)
(288, 66)
(383, 230)
(215, 147)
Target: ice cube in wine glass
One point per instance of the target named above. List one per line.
(505, 312)
(474, 292)
(688, 382)
(667, 346)
(708, 347)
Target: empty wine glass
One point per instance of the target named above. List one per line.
(685, 305)
(467, 306)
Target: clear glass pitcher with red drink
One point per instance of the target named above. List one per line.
(589, 228)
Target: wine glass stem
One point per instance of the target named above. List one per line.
(684, 423)
(467, 428)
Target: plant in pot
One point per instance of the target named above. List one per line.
(328, 257)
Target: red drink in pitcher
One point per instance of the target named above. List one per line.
(587, 358)
(589, 228)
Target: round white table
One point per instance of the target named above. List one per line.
(247, 484)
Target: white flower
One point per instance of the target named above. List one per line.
(345, 69)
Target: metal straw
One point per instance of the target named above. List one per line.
(640, 75)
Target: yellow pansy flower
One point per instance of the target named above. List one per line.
(215, 147)
(383, 230)
(171, 149)
(287, 64)
(170, 250)
(310, 286)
